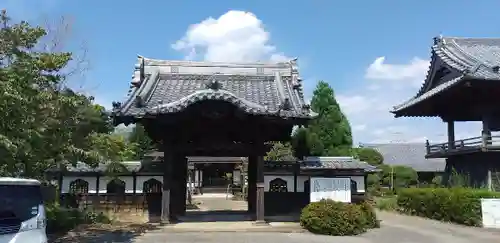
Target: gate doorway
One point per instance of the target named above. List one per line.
(217, 190)
(152, 190)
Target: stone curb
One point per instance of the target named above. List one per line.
(168, 229)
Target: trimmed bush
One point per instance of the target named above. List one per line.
(336, 218)
(457, 205)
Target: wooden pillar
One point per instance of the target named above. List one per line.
(251, 187)
(60, 184)
(259, 201)
(134, 180)
(366, 182)
(97, 199)
(451, 134)
(296, 171)
(134, 188)
(182, 198)
(97, 184)
(486, 132)
(167, 179)
(177, 197)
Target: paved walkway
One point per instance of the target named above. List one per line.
(395, 229)
(218, 202)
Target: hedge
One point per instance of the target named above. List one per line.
(336, 218)
(457, 205)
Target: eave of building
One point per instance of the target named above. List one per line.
(447, 53)
(149, 72)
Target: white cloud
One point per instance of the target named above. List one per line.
(386, 85)
(413, 72)
(359, 127)
(235, 36)
(238, 36)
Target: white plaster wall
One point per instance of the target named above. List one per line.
(236, 176)
(142, 179)
(196, 176)
(269, 178)
(360, 180)
(92, 180)
(300, 183)
(103, 182)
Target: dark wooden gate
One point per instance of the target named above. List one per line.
(152, 190)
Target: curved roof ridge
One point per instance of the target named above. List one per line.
(166, 62)
(427, 80)
(138, 91)
(467, 56)
(470, 38)
(222, 95)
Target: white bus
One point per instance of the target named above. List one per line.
(22, 214)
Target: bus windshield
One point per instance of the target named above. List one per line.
(19, 202)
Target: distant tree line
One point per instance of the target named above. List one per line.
(329, 134)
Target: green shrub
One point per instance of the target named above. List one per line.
(370, 215)
(60, 219)
(386, 203)
(336, 218)
(458, 205)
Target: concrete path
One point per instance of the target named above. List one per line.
(213, 195)
(218, 203)
(395, 229)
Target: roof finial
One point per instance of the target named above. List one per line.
(214, 83)
(438, 39)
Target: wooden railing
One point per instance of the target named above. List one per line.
(474, 143)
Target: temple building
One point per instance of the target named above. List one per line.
(138, 185)
(462, 84)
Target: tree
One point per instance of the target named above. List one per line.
(141, 141)
(45, 123)
(300, 147)
(280, 152)
(369, 155)
(329, 134)
(398, 176)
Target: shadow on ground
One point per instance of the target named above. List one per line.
(232, 216)
(102, 233)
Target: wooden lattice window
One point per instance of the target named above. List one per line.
(307, 186)
(278, 185)
(115, 186)
(354, 186)
(79, 186)
(152, 186)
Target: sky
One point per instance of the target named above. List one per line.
(374, 54)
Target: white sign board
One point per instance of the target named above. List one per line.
(337, 189)
(491, 212)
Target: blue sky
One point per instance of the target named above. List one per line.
(374, 53)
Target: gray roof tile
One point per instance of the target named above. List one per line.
(473, 58)
(170, 86)
(407, 154)
(131, 166)
(313, 162)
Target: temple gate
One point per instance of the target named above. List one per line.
(213, 109)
